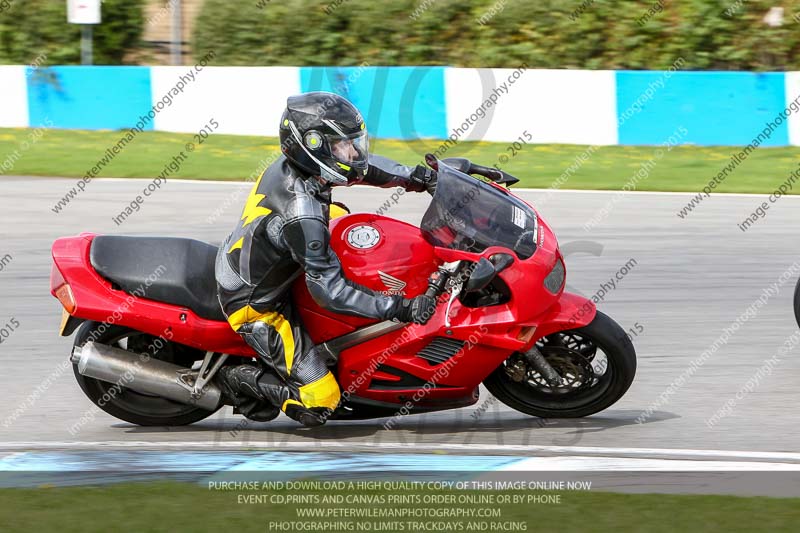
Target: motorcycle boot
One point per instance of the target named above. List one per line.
(260, 395)
(240, 387)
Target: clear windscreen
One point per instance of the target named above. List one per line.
(470, 215)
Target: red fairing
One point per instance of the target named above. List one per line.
(97, 300)
(490, 334)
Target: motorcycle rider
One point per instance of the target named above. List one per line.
(283, 234)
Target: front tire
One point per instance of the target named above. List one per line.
(128, 405)
(575, 355)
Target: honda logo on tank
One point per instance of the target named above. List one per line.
(83, 11)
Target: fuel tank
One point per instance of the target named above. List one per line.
(380, 253)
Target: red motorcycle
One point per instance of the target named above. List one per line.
(152, 336)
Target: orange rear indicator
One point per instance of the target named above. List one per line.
(64, 295)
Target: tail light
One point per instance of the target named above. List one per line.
(61, 290)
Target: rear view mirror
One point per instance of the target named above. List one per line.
(483, 274)
(501, 261)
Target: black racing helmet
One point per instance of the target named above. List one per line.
(324, 135)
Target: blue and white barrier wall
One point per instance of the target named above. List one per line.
(13, 97)
(543, 106)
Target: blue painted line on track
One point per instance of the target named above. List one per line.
(119, 461)
(105, 467)
(330, 462)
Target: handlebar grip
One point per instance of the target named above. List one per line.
(431, 161)
(432, 292)
(437, 284)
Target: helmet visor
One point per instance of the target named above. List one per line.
(351, 151)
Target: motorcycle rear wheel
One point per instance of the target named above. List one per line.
(575, 355)
(797, 303)
(128, 405)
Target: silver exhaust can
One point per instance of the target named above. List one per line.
(144, 375)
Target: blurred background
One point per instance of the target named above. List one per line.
(613, 74)
(759, 35)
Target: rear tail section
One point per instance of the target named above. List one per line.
(70, 255)
(86, 295)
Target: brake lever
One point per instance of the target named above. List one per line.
(454, 292)
(431, 161)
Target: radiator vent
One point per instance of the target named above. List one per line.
(440, 350)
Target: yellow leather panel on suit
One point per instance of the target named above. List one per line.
(252, 211)
(337, 212)
(272, 318)
(238, 244)
(321, 393)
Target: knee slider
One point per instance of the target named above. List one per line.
(323, 392)
(260, 329)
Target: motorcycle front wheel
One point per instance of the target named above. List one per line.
(128, 405)
(597, 364)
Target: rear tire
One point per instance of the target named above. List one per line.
(605, 335)
(128, 405)
(797, 303)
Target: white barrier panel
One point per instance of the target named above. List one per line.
(792, 92)
(243, 100)
(14, 101)
(553, 106)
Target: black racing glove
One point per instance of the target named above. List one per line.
(417, 310)
(424, 178)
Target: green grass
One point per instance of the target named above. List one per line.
(72, 153)
(179, 507)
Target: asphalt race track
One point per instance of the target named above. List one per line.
(690, 279)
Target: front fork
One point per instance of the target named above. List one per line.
(545, 369)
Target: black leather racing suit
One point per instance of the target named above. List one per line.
(283, 232)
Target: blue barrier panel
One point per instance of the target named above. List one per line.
(397, 102)
(717, 108)
(90, 97)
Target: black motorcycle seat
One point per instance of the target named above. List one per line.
(166, 269)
